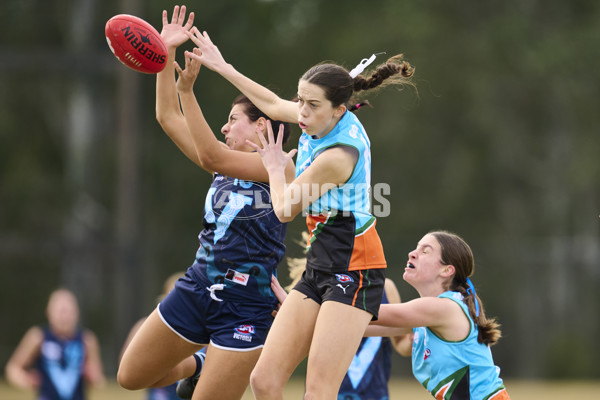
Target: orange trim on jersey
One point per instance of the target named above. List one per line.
(501, 395)
(367, 252)
(311, 222)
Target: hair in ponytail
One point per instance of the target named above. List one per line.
(395, 71)
(339, 86)
(456, 252)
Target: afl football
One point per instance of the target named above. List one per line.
(136, 43)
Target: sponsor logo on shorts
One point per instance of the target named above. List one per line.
(344, 278)
(342, 287)
(244, 332)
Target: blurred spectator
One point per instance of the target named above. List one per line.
(60, 359)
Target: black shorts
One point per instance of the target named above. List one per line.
(362, 289)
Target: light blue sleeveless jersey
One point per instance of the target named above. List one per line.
(354, 196)
(457, 370)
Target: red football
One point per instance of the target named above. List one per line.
(136, 43)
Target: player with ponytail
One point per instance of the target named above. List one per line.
(451, 354)
(342, 287)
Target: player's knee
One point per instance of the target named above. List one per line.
(263, 384)
(312, 395)
(127, 380)
(320, 388)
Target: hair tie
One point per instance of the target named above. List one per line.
(471, 290)
(357, 106)
(364, 63)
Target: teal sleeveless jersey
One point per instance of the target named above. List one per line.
(342, 234)
(354, 195)
(455, 370)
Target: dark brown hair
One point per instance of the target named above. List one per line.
(339, 86)
(254, 113)
(456, 252)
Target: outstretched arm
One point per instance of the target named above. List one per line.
(402, 343)
(212, 154)
(268, 102)
(441, 315)
(385, 331)
(168, 112)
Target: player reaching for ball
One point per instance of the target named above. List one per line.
(342, 287)
(224, 301)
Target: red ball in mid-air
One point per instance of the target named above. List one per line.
(136, 43)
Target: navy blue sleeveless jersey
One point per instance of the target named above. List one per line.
(61, 365)
(369, 373)
(242, 241)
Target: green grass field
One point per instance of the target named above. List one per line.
(399, 390)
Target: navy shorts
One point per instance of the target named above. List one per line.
(191, 313)
(361, 288)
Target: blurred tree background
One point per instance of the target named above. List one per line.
(500, 144)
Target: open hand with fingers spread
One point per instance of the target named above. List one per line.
(209, 54)
(174, 32)
(271, 153)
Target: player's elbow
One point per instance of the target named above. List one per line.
(170, 125)
(284, 214)
(163, 119)
(209, 160)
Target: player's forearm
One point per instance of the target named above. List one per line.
(385, 331)
(20, 377)
(167, 102)
(286, 198)
(206, 145)
(168, 111)
(267, 101)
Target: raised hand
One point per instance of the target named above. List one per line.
(188, 76)
(209, 54)
(174, 33)
(271, 152)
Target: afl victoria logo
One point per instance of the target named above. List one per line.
(245, 329)
(344, 278)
